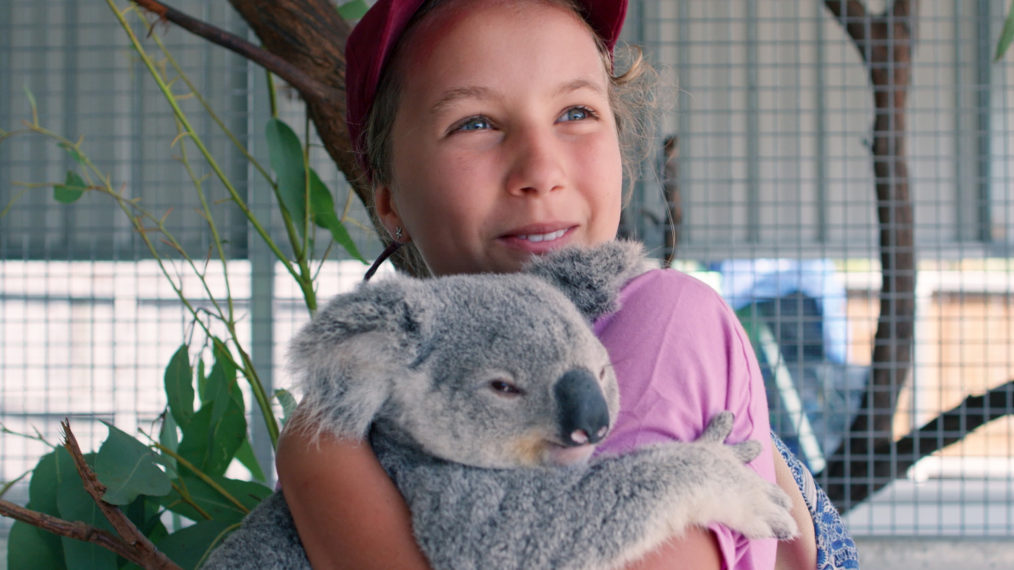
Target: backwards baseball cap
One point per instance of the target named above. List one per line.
(371, 43)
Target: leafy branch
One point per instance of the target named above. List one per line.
(184, 475)
(127, 541)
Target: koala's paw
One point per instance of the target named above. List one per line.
(769, 513)
(750, 504)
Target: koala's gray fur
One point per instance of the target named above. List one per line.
(456, 381)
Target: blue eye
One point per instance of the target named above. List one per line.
(577, 114)
(477, 123)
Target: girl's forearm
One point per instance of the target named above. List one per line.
(697, 548)
(347, 511)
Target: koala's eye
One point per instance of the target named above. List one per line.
(505, 388)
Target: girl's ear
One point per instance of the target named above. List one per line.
(387, 211)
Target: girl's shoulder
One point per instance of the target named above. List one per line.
(681, 309)
(659, 289)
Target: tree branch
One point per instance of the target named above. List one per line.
(953, 425)
(890, 460)
(131, 542)
(76, 529)
(307, 86)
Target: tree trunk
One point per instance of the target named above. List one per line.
(885, 43)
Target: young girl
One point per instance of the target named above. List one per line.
(491, 131)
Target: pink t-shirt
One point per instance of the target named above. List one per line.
(681, 357)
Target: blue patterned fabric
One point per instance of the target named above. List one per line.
(835, 547)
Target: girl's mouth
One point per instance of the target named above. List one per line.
(537, 238)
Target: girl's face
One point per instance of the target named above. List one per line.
(504, 144)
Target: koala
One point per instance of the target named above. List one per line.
(484, 397)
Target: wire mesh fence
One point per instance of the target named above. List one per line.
(774, 188)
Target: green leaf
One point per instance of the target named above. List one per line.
(1007, 35)
(71, 190)
(202, 381)
(49, 472)
(74, 152)
(146, 514)
(76, 504)
(179, 386)
(246, 457)
(286, 154)
(352, 10)
(322, 206)
(210, 446)
(222, 389)
(36, 548)
(128, 468)
(288, 402)
(189, 546)
(248, 493)
(170, 439)
(46, 478)
(31, 101)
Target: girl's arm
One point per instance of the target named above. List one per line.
(347, 511)
(801, 552)
(698, 548)
(350, 515)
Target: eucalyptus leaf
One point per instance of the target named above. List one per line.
(245, 455)
(49, 472)
(248, 493)
(169, 437)
(51, 469)
(209, 446)
(36, 548)
(179, 386)
(353, 10)
(222, 390)
(322, 206)
(288, 402)
(146, 514)
(31, 100)
(286, 155)
(1007, 35)
(71, 190)
(187, 547)
(74, 153)
(128, 468)
(76, 504)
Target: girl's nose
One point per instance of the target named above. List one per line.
(537, 164)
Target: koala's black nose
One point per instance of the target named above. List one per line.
(583, 413)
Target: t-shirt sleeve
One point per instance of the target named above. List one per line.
(680, 357)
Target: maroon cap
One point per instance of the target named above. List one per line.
(373, 40)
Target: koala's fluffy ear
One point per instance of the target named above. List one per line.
(592, 277)
(348, 356)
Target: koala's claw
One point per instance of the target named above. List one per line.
(746, 451)
(718, 428)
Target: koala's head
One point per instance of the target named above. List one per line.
(488, 370)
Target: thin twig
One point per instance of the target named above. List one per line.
(305, 84)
